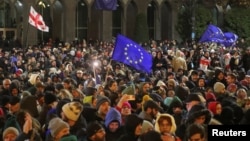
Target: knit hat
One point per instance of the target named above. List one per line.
(69, 138)
(218, 87)
(56, 125)
(49, 98)
(92, 128)
(146, 126)
(72, 110)
(145, 98)
(100, 100)
(126, 104)
(130, 90)
(12, 130)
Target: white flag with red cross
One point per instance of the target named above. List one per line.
(36, 20)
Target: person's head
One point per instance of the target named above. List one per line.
(58, 128)
(133, 124)
(231, 78)
(151, 136)
(113, 120)
(165, 123)
(195, 132)
(194, 76)
(102, 105)
(10, 134)
(152, 108)
(6, 83)
(144, 88)
(112, 85)
(126, 109)
(219, 88)
(95, 132)
(201, 82)
(199, 114)
(192, 99)
(50, 99)
(215, 107)
(71, 112)
(14, 104)
(241, 94)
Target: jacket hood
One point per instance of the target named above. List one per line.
(173, 127)
(112, 115)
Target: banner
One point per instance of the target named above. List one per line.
(132, 54)
(36, 20)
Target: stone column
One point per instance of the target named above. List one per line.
(69, 21)
(106, 26)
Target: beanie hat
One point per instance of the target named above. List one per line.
(218, 87)
(146, 126)
(69, 138)
(10, 130)
(92, 128)
(126, 104)
(72, 110)
(130, 90)
(168, 101)
(56, 125)
(100, 100)
(145, 98)
(49, 98)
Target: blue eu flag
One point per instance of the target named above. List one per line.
(132, 54)
(212, 33)
(230, 39)
(106, 4)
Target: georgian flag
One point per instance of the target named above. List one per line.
(36, 20)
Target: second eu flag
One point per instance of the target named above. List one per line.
(106, 4)
(132, 54)
(212, 32)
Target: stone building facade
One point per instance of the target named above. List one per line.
(70, 19)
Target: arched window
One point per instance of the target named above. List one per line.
(5, 20)
(131, 18)
(166, 20)
(81, 20)
(116, 18)
(151, 19)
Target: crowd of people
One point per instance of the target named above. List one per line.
(76, 92)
